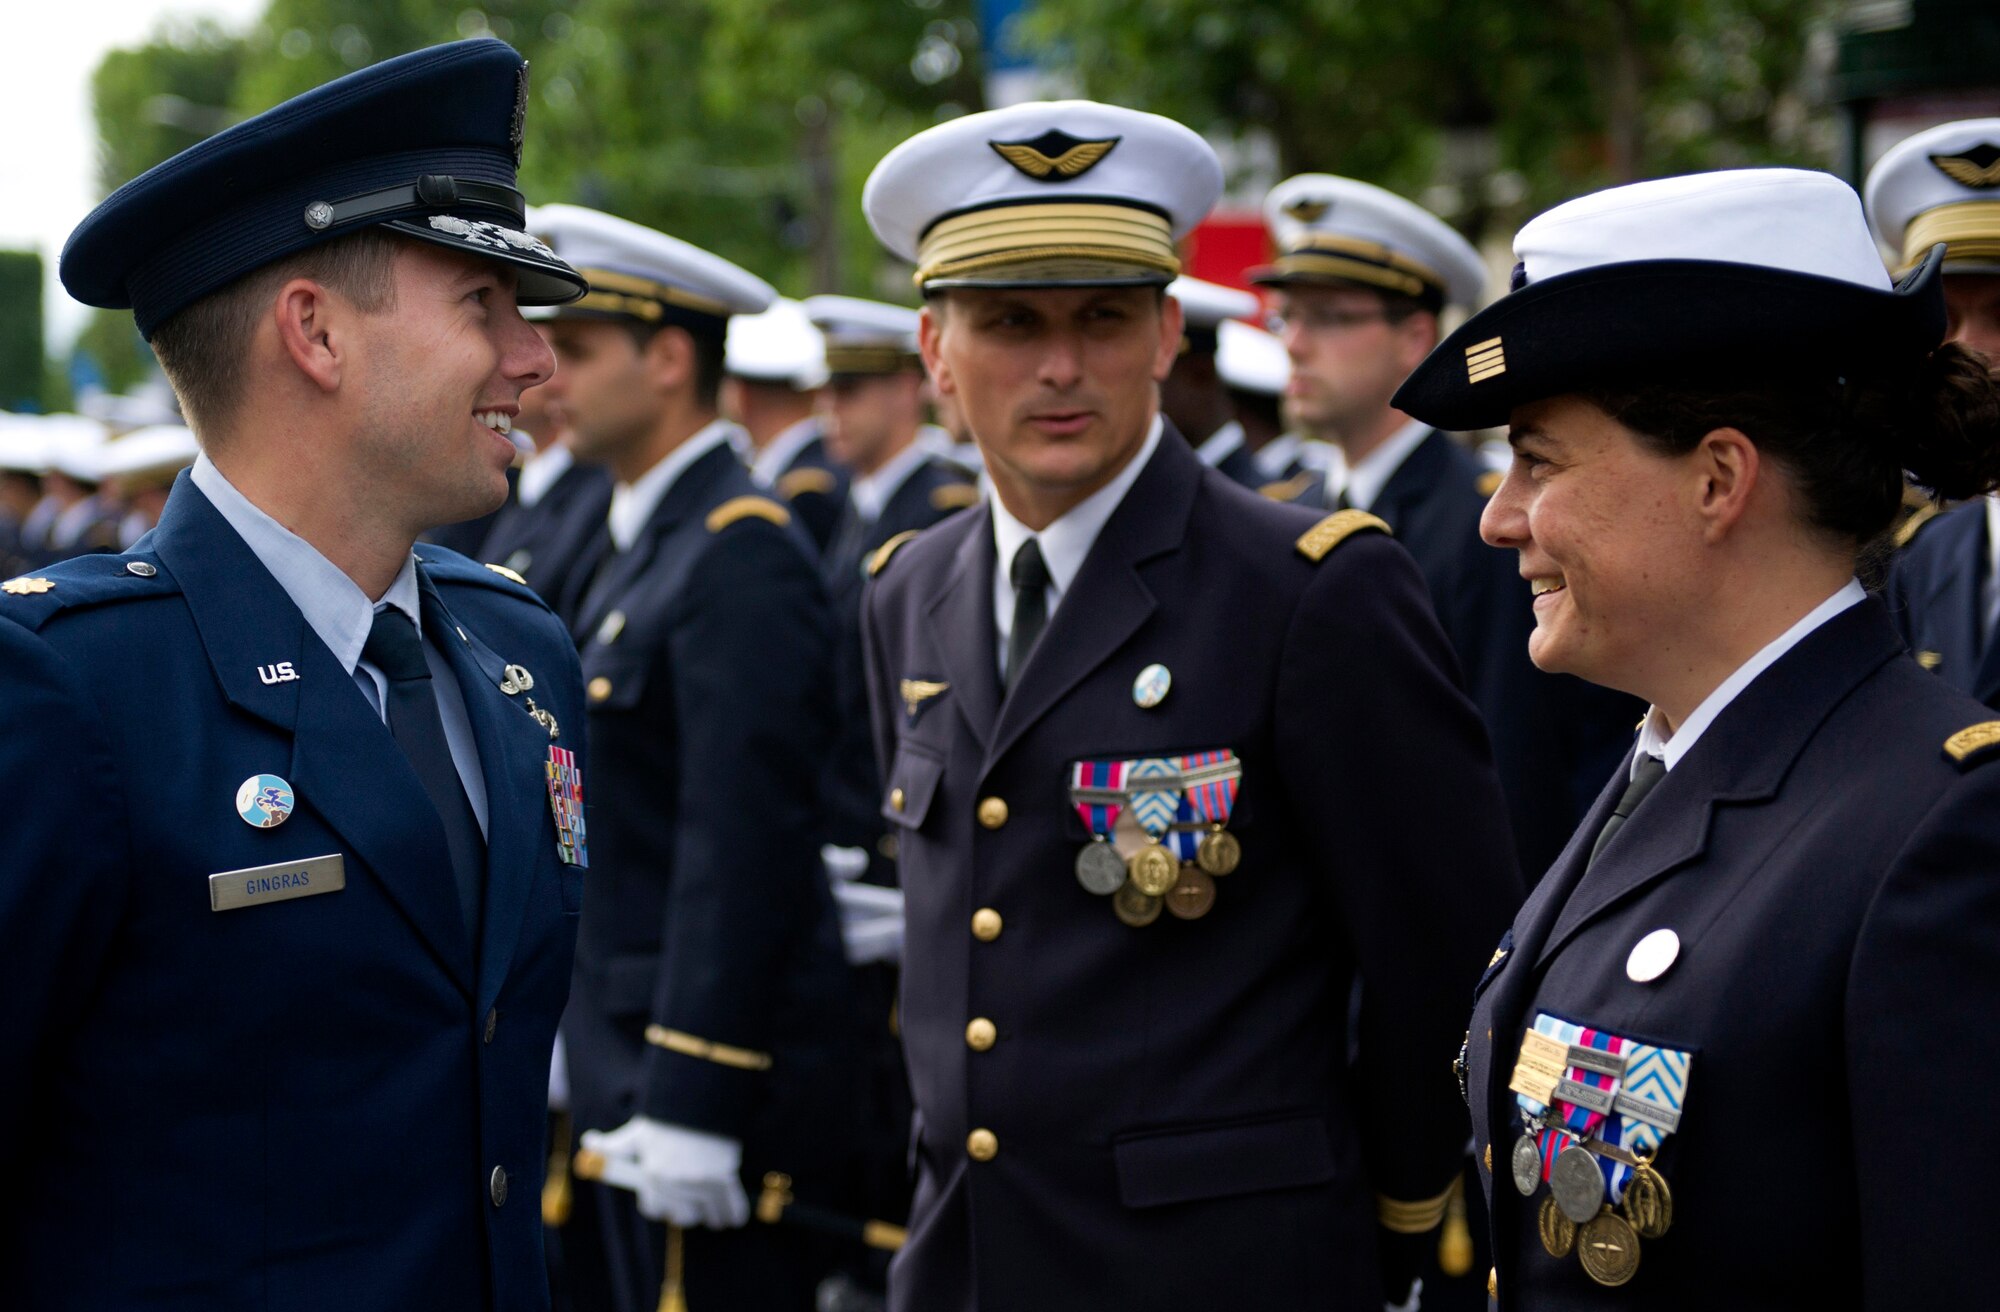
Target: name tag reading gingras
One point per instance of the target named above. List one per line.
(276, 883)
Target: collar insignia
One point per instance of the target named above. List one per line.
(918, 691)
(1055, 156)
(1978, 168)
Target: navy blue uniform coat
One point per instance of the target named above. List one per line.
(548, 542)
(1831, 874)
(1179, 1125)
(298, 1105)
(1936, 591)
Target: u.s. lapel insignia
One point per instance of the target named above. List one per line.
(918, 691)
(1055, 156)
(1978, 168)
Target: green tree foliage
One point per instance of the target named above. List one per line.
(21, 366)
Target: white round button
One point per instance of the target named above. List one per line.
(1652, 956)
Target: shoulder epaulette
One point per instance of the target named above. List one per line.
(747, 508)
(1907, 531)
(888, 549)
(1489, 482)
(1335, 529)
(91, 580)
(1289, 489)
(811, 480)
(507, 574)
(1969, 746)
(954, 496)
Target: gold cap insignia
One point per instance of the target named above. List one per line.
(1055, 156)
(1978, 168)
(26, 587)
(918, 691)
(1484, 360)
(1307, 209)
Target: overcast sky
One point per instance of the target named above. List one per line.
(50, 179)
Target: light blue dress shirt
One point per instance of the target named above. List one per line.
(341, 614)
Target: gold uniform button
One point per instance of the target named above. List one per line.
(895, 799)
(980, 1034)
(993, 813)
(1489, 1159)
(982, 1145)
(599, 689)
(986, 924)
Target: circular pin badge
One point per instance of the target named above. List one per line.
(1150, 688)
(264, 801)
(1652, 956)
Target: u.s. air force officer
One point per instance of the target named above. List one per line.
(290, 878)
(1731, 1050)
(1168, 763)
(710, 1036)
(1943, 185)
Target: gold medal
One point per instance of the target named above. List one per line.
(1649, 1203)
(1608, 1249)
(1219, 852)
(1558, 1231)
(1192, 895)
(1135, 908)
(1154, 869)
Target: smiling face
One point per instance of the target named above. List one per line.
(1058, 385)
(1609, 537)
(442, 369)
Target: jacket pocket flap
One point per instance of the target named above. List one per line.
(1178, 1166)
(913, 780)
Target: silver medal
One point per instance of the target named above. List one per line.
(1577, 1183)
(1099, 870)
(1527, 1165)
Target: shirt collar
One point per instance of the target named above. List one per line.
(1992, 537)
(1653, 737)
(1367, 476)
(541, 471)
(333, 604)
(871, 495)
(632, 504)
(1068, 540)
(779, 453)
(1221, 444)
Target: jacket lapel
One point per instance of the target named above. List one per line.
(512, 748)
(1109, 599)
(1741, 759)
(963, 608)
(344, 765)
(1954, 600)
(1412, 481)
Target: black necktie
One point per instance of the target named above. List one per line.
(1645, 777)
(1341, 502)
(1030, 576)
(394, 648)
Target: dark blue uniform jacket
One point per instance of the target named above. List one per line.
(1936, 590)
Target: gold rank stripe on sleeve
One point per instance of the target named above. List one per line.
(722, 1054)
(1969, 746)
(805, 482)
(740, 508)
(1411, 1218)
(1335, 529)
(888, 549)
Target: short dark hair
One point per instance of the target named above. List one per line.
(203, 348)
(1846, 441)
(709, 336)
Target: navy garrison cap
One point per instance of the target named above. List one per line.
(425, 144)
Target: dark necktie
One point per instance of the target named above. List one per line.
(1645, 777)
(394, 648)
(1030, 576)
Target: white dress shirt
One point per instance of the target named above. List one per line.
(1990, 603)
(778, 453)
(1670, 746)
(540, 473)
(869, 495)
(1064, 543)
(1221, 444)
(341, 614)
(1367, 476)
(632, 504)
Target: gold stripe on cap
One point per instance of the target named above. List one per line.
(869, 359)
(624, 294)
(1970, 230)
(1003, 235)
(1483, 360)
(1373, 252)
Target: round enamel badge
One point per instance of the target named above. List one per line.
(1150, 688)
(264, 801)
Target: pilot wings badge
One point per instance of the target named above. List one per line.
(918, 691)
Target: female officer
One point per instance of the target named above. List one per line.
(1737, 1049)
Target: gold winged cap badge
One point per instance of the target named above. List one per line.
(1053, 156)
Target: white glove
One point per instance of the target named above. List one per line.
(871, 922)
(843, 864)
(683, 1177)
(559, 1077)
(1412, 1303)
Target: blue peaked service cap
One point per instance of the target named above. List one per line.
(425, 145)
